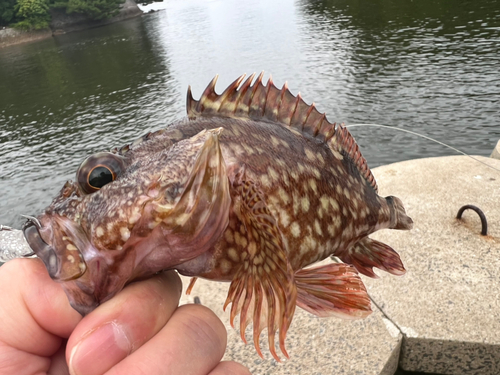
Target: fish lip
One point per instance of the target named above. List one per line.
(63, 263)
(42, 250)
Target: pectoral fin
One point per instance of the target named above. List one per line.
(201, 214)
(263, 289)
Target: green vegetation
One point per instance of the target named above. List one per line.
(7, 11)
(34, 14)
(94, 9)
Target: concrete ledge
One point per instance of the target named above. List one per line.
(448, 303)
(12, 36)
(496, 151)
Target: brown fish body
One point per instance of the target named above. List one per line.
(318, 206)
(252, 188)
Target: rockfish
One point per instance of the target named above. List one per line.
(252, 187)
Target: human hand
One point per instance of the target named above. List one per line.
(139, 331)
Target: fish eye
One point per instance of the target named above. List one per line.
(99, 170)
(100, 176)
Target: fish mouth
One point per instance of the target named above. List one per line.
(60, 265)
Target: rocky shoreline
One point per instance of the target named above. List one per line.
(63, 23)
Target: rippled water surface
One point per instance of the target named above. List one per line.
(428, 66)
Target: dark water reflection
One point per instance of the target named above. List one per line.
(428, 66)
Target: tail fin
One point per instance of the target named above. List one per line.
(332, 290)
(368, 253)
(399, 219)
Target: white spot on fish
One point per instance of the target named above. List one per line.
(225, 266)
(134, 218)
(296, 204)
(264, 179)
(233, 254)
(346, 193)
(228, 235)
(240, 240)
(247, 148)
(312, 185)
(283, 195)
(317, 227)
(275, 141)
(273, 174)
(125, 233)
(304, 204)
(284, 218)
(252, 249)
(71, 247)
(310, 155)
(295, 229)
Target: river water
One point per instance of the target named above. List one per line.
(428, 66)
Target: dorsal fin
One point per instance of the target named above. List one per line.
(261, 102)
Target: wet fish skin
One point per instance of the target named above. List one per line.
(254, 186)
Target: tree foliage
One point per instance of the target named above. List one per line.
(94, 9)
(7, 11)
(34, 14)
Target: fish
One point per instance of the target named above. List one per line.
(252, 187)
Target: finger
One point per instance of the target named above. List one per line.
(34, 315)
(123, 324)
(192, 342)
(230, 368)
(35, 311)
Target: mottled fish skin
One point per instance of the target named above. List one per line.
(254, 186)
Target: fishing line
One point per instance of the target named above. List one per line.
(425, 137)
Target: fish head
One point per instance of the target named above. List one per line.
(129, 215)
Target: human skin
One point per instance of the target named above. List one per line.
(139, 331)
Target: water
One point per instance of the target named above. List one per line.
(428, 66)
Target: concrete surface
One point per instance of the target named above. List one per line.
(496, 151)
(448, 303)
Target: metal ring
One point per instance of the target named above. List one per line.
(484, 224)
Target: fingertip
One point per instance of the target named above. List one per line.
(230, 368)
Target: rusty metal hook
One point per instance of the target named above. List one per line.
(484, 224)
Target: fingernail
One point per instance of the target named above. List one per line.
(100, 350)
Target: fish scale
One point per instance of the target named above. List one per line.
(254, 186)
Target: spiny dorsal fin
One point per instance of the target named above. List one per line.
(261, 102)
